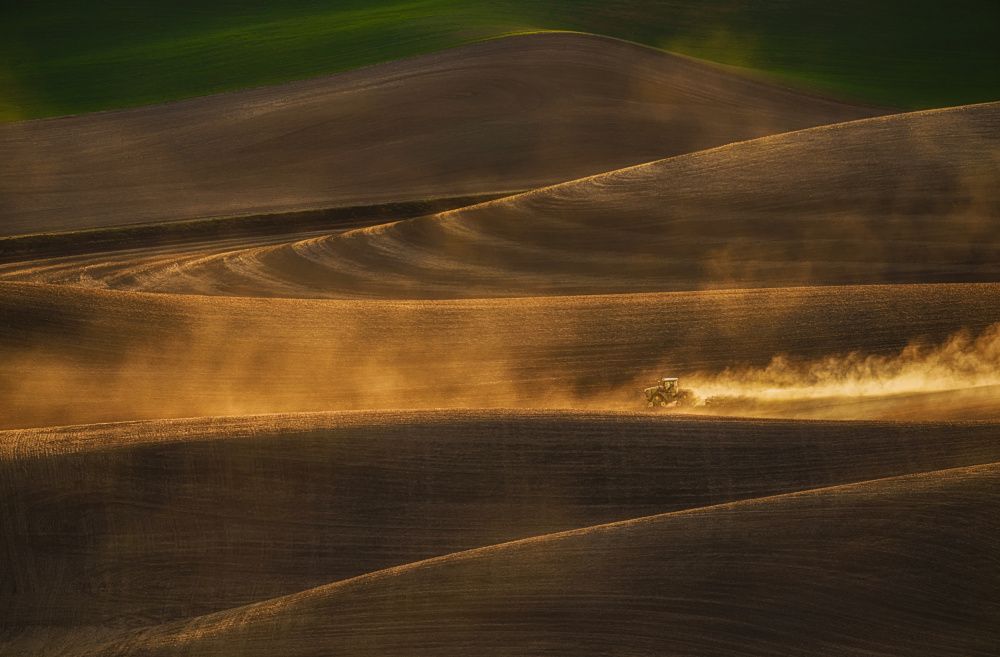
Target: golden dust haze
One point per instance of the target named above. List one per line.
(99, 356)
(429, 436)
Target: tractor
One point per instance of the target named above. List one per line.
(666, 392)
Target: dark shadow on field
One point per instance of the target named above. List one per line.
(139, 523)
(903, 565)
(486, 118)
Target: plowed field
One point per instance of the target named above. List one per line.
(429, 436)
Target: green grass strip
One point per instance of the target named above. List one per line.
(62, 57)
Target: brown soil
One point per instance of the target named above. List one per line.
(900, 565)
(874, 201)
(452, 455)
(501, 116)
(241, 510)
(76, 356)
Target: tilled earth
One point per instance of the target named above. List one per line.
(429, 437)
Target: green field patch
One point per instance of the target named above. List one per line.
(69, 57)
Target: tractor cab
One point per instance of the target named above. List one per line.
(668, 385)
(667, 392)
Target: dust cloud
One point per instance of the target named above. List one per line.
(158, 357)
(961, 362)
(235, 364)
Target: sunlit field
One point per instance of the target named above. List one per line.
(373, 363)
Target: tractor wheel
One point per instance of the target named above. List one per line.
(662, 401)
(649, 404)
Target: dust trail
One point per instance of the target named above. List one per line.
(963, 361)
(72, 356)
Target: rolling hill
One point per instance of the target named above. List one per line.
(68, 56)
(79, 356)
(904, 564)
(844, 570)
(876, 201)
(245, 409)
(245, 509)
(500, 116)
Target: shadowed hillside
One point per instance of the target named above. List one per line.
(234, 511)
(893, 566)
(72, 56)
(303, 370)
(876, 201)
(504, 115)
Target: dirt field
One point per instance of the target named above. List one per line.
(824, 571)
(793, 209)
(77, 356)
(503, 115)
(429, 437)
(242, 510)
